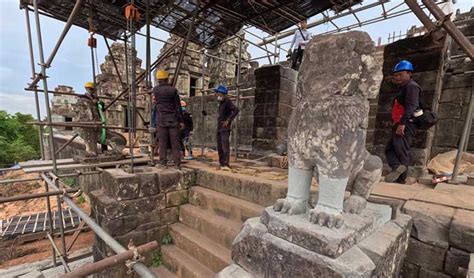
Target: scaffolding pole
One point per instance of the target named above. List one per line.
(237, 84)
(43, 76)
(35, 89)
(148, 80)
(464, 137)
(451, 28)
(75, 11)
(185, 45)
(92, 268)
(139, 267)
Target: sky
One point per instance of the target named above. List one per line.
(72, 65)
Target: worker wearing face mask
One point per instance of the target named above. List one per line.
(227, 112)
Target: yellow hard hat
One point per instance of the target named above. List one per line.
(161, 74)
(183, 103)
(89, 85)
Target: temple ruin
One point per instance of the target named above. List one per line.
(306, 195)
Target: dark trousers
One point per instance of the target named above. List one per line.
(397, 151)
(296, 58)
(223, 147)
(166, 136)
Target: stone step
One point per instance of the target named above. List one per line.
(257, 190)
(221, 230)
(162, 272)
(182, 264)
(224, 205)
(213, 255)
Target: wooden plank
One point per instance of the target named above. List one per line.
(86, 166)
(37, 163)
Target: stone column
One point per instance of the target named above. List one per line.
(274, 94)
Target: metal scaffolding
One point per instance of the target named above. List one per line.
(199, 17)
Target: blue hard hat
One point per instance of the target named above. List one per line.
(221, 89)
(403, 65)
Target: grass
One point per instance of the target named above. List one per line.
(70, 181)
(81, 199)
(157, 259)
(184, 200)
(166, 239)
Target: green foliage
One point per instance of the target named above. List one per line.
(166, 239)
(18, 140)
(70, 181)
(81, 199)
(184, 200)
(157, 259)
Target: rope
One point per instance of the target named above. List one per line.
(135, 259)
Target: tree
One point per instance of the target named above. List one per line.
(19, 141)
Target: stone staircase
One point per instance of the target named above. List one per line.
(217, 208)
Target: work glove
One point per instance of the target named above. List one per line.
(290, 52)
(152, 129)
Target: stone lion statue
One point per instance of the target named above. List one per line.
(327, 129)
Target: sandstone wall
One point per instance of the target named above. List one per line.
(427, 60)
(447, 79)
(458, 86)
(137, 207)
(442, 237)
(205, 127)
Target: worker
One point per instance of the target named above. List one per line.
(300, 39)
(169, 118)
(152, 127)
(227, 112)
(404, 106)
(186, 132)
(91, 95)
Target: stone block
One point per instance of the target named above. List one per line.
(425, 255)
(172, 180)
(461, 233)
(321, 240)
(149, 184)
(449, 111)
(410, 270)
(386, 247)
(120, 184)
(107, 206)
(426, 273)
(470, 271)
(169, 215)
(457, 263)
(430, 222)
(265, 255)
(176, 198)
(234, 271)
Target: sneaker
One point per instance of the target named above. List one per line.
(396, 173)
(188, 158)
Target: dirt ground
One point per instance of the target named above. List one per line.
(14, 254)
(40, 249)
(26, 207)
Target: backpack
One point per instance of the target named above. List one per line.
(426, 119)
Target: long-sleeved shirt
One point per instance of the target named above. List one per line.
(409, 98)
(297, 38)
(168, 107)
(227, 112)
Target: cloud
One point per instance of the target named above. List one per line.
(24, 102)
